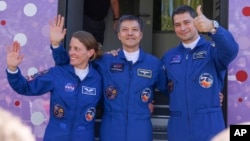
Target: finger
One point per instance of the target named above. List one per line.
(113, 52)
(198, 11)
(55, 21)
(64, 31)
(50, 24)
(61, 22)
(15, 46)
(58, 21)
(12, 47)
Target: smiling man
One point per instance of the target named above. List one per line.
(196, 69)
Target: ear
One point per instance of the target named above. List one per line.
(91, 53)
(119, 36)
(141, 34)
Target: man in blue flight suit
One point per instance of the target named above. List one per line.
(129, 82)
(196, 70)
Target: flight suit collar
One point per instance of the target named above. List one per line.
(141, 55)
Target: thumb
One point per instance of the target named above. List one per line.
(198, 10)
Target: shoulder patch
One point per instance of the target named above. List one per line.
(32, 77)
(176, 59)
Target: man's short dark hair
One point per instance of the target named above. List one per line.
(131, 18)
(183, 9)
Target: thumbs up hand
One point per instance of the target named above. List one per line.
(201, 22)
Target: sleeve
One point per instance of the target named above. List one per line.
(161, 83)
(60, 55)
(38, 84)
(226, 47)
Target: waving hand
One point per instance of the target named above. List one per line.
(13, 56)
(57, 30)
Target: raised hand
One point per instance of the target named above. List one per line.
(202, 23)
(13, 56)
(57, 30)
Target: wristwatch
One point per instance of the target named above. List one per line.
(216, 25)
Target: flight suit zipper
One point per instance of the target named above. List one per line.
(77, 92)
(186, 89)
(128, 97)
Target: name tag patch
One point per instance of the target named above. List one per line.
(88, 90)
(200, 55)
(144, 73)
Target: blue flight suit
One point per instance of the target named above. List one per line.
(128, 90)
(195, 78)
(72, 101)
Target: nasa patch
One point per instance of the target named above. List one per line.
(206, 80)
(58, 111)
(145, 95)
(69, 87)
(111, 92)
(90, 114)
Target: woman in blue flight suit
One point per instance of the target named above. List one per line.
(129, 82)
(75, 88)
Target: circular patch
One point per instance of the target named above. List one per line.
(90, 114)
(145, 95)
(111, 92)
(206, 80)
(58, 111)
